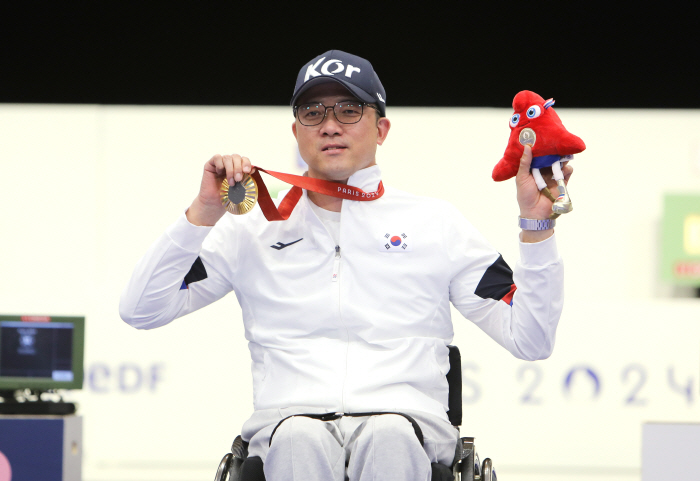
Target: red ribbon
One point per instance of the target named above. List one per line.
(326, 187)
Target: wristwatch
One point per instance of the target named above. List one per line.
(536, 224)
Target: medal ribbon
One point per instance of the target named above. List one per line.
(326, 187)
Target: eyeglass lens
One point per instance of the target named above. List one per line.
(345, 112)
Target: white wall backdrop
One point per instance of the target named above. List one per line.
(84, 190)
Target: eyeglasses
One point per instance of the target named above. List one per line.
(347, 112)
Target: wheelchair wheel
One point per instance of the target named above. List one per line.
(229, 468)
(487, 471)
(224, 467)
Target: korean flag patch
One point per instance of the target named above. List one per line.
(395, 242)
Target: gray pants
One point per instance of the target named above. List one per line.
(371, 448)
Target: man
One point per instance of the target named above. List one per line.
(346, 303)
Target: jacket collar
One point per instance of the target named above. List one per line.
(366, 179)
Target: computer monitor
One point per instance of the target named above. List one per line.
(41, 352)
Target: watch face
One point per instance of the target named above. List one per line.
(241, 197)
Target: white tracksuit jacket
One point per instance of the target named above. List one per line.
(361, 327)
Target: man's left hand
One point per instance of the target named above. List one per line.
(532, 202)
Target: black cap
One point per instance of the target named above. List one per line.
(354, 73)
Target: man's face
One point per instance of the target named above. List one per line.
(335, 151)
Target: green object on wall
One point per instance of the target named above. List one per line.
(680, 245)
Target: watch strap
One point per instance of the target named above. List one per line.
(536, 224)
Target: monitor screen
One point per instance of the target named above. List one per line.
(41, 352)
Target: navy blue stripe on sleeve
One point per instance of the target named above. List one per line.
(496, 282)
(197, 273)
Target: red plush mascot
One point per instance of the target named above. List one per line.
(535, 122)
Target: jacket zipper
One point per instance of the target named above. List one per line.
(336, 274)
(336, 264)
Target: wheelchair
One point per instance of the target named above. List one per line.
(237, 466)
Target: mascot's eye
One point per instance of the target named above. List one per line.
(514, 120)
(534, 112)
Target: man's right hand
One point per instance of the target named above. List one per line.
(206, 209)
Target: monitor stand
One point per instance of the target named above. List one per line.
(33, 408)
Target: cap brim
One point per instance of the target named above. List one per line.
(356, 91)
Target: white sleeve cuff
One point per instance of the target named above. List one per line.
(539, 254)
(186, 235)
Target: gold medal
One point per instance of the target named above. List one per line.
(241, 197)
(527, 137)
